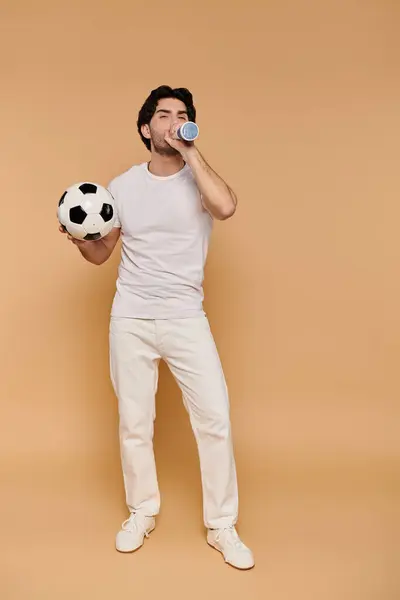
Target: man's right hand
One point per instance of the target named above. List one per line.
(95, 251)
(79, 243)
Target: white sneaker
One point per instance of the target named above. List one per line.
(231, 546)
(133, 531)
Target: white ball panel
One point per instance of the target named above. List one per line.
(92, 203)
(105, 195)
(62, 214)
(73, 198)
(93, 223)
(77, 231)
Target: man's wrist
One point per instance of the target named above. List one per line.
(190, 153)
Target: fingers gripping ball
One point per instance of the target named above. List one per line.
(86, 211)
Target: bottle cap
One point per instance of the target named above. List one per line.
(188, 131)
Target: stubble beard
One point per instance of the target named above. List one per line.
(162, 148)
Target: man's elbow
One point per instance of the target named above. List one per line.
(227, 210)
(221, 208)
(226, 214)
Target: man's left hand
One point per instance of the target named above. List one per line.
(180, 145)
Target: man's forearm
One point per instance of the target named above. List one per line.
(94, 252)
(218, 198)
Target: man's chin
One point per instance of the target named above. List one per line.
(166, 150)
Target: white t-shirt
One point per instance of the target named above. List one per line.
(165, 233)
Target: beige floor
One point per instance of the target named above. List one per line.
(319, 531)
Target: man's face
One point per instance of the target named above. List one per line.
(169, 112)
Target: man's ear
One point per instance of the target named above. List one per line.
(145, 129)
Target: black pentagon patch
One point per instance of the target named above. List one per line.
(77, 215)
(107, 212)
(92, 236)
(62, 199)
(88, 188)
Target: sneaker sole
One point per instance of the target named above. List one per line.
(229, 563)
(137, 548)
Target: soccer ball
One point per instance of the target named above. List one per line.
(86, 211)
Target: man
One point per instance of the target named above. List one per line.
(165, 212)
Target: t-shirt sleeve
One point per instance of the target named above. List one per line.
(111, 189)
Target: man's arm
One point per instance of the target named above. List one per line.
(217, 196)
(97, 252)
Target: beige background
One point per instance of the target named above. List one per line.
(299, 110)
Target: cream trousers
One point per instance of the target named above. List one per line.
(188, 348)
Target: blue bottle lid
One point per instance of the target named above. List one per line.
(189, 131)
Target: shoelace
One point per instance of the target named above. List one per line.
(229, 536)
(134, 523)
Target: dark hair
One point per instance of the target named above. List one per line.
(149, 107)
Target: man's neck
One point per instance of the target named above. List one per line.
(163, 166)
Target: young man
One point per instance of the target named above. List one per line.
(165, 213)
